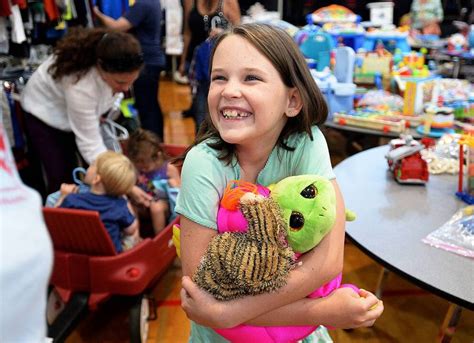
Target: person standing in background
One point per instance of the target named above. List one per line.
(203, 19)
(426, 16)
(143, 20)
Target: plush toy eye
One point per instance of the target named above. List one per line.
(296, 221)
(309, 192)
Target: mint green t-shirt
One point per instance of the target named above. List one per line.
(204, 178)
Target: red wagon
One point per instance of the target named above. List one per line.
(87, 269)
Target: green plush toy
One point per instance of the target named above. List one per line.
(308, 205)
(260, 234)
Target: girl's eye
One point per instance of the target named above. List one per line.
(252, 78)
(217, 78)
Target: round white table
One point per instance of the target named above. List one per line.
(392, 219)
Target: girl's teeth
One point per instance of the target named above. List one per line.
(234, 114)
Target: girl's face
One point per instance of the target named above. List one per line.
(147, 161)
(119, 82)
(248, 102)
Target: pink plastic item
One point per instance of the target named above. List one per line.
(229, 220)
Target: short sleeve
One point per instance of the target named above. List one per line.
(136, 13)
(66, 203)
(312, 156)
(127, 218)
(202, 183)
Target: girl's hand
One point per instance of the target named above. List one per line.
(348, 309)
(140, 197)
(203, 308)
(67, 188)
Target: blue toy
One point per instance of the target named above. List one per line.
(317, 45)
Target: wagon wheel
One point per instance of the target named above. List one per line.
(54, 305)
(139, 314)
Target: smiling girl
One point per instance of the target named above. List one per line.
(264, 108)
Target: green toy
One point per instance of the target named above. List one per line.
(260, 232)
(308, 205)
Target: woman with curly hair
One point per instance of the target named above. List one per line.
(66, 96)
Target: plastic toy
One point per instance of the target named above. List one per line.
(405, 161)
(412, 88)
(338, 87)
(470, 39)
(87, 269)
(341, 23)
(317, 45)
(373, 65)
(456, 235)
(457, 43)
(333, 13)
(466, 170)
(372, 119)
(381, 13)
(345, 33)
(397, 37)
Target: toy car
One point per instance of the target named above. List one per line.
(405, 161)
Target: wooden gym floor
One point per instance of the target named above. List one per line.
(411, 314)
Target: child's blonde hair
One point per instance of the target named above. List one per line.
(117, 173)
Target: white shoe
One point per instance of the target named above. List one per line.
(181, 79)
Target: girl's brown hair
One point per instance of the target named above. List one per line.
(145, 139)
(81, 49)
(276, 45)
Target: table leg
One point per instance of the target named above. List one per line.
(456, 67)
(451, 320)
(383, 275)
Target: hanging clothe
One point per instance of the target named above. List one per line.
(51, 10)
(18, 31)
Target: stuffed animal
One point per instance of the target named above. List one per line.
(259, 242)
(308, 207)
(257, 261)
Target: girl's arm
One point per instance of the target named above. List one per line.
(140, 197)
(342, 309)
(65, 190)
(174, 178)
(133, 228)
(232, 11)
(320, 265)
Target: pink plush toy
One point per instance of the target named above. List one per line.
(231, 219)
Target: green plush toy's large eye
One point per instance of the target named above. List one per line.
(309, 192)
(296, 221)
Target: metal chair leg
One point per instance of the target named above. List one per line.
(382, 278)
(451, 320)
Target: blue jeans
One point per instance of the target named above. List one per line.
(146, 99)
(199, 106)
